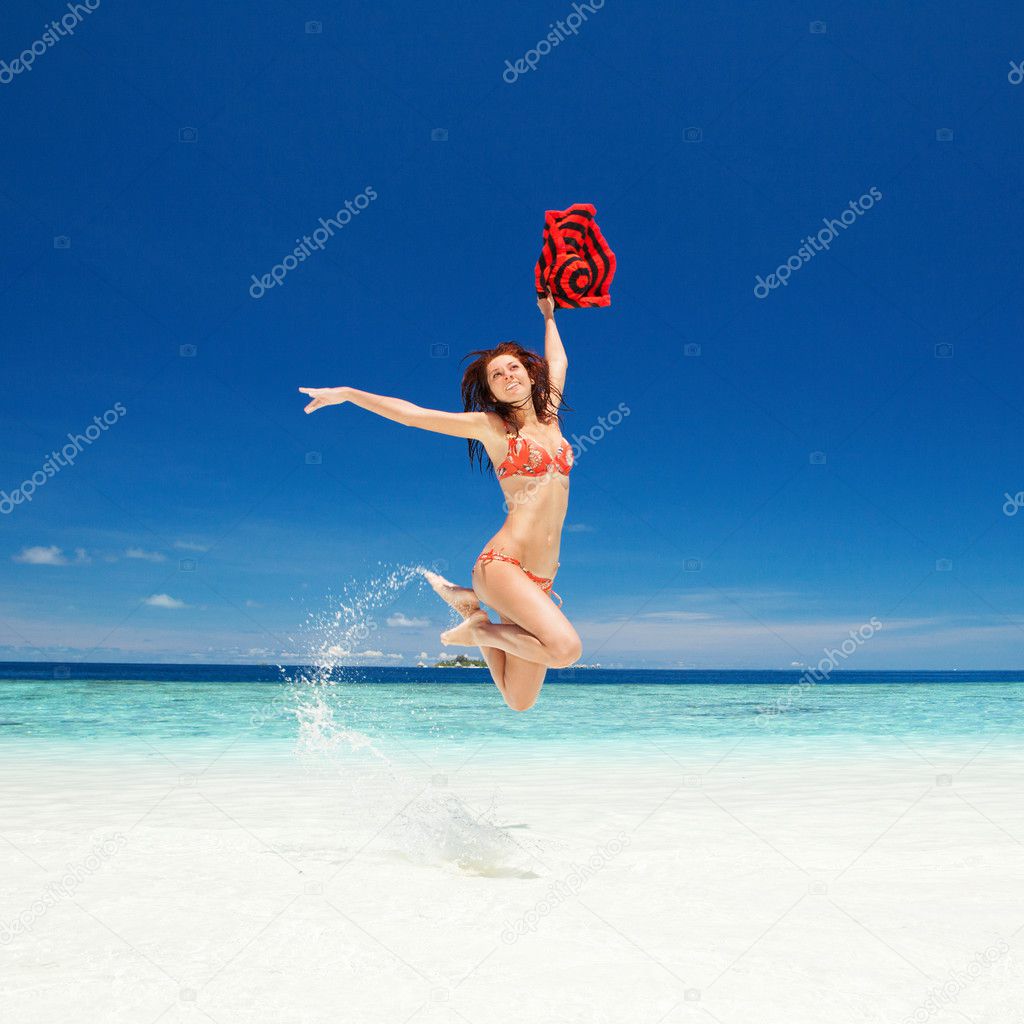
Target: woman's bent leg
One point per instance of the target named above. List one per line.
(533, 629)
(521, 680)
(497, 662)
(514, 640)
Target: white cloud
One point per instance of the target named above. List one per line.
(41, 556)
(677, 616)
(164, 601)
(188, 545)
(401, 621)
(338, 652)
(148, 556)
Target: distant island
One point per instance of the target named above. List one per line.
(461, 661)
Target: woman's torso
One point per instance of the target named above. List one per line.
(536, 492)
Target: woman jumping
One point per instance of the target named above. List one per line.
(511, 397)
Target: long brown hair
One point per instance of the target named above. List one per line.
(477, 395)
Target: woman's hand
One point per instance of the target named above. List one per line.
(547, 306)
(324, 396)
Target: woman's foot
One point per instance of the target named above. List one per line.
(463, 634)
(462, 599)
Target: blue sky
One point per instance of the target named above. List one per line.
(175, 151)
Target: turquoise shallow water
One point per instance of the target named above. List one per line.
(110, 712)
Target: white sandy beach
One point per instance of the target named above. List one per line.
(657, 887)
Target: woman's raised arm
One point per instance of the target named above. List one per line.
(455, 424)
(554, 350)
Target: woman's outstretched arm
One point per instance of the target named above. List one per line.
(554, 351)
(455, 424)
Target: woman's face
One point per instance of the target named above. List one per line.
(508, 379)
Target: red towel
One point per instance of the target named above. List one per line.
(575, 261)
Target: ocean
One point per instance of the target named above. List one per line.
(96, 704)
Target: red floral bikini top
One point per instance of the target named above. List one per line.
(527, 458)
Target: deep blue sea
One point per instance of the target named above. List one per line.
(115, 671)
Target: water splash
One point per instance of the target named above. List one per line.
(346, 624)
(425, 825)
(321, 736)
(439, 829)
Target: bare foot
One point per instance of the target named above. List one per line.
(462, 635)
(462, 599)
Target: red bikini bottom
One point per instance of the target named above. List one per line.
(542, 581)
